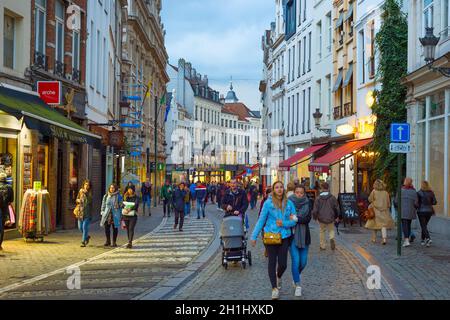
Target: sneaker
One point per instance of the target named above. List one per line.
(279, 283)
(129, 246)
(423, 242)
(83, 244)
(332, 244)
(428, 242)
(406, 243)
(412, 238)
(298, 291)
(275, 294)
(384, 242)
(87, 240)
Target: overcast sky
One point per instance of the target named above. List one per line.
(221, 38)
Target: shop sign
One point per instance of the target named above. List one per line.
(284, 169)
(50, 92)
(37, 185)
(104, 133)
(116, 139)
(63, 134)
(320, 169)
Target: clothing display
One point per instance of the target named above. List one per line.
(35, 214)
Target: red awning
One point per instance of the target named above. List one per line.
(300, 155)
(324, 163)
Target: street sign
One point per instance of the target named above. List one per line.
(400, 132)
(400, 147)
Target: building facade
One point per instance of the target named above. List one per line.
(428, 105)
(143, 104)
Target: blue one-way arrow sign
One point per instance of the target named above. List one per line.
(400, 132)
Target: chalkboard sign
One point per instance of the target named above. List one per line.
(348, 205)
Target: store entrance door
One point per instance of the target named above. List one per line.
(59, 186)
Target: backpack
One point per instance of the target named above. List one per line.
(4, 196)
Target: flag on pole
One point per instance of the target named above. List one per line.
(149, 86)
(169, 101)
(163, 100)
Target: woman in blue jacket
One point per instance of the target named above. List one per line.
(276, 218)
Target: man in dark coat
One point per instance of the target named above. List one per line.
(179, 201)
(235, 201)
(6, 198)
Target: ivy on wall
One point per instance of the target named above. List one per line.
(392, 46)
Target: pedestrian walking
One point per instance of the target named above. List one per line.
(146, 193)
(6, 198)
(128, 186)
(166, 196)
(290, 189)
(276, 221)
(84, 200)
(179, 201)
(302, 236)
(253, 195)
(326, 211)
(427, 200)
(200, 197)
(192, 191)
(187, 202)
(129, 213)
(380, 203)
(235, 201)
(111, 214)
(410, 203)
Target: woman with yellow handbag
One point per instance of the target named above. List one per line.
(276, 220)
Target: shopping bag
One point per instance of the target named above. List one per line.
(12, 215)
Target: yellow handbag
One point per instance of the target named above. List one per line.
(271, 238)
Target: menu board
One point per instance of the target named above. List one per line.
(348, 205)
(27, 171)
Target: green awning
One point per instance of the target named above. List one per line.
(39, 116)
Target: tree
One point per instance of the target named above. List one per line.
(390, 107)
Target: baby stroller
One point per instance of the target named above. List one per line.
(233, 238)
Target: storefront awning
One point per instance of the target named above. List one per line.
(349, 12)
(338, 83)
(39, 116)
(296, 158)
(340, 20)
(323, 164)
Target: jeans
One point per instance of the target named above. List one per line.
(253, 203)
(200, 208)
(130, 223)
(108, 233)
(187, 208)
(167, 207)
(179, 215)
(424, 218)
(323, 228)
(83, 226)
(406, 228)
(277, 253)
(299, 259)
(147, 202)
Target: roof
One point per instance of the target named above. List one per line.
(256, 114)
(240, 110)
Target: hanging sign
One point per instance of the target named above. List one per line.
(50, 92)
(37, 185)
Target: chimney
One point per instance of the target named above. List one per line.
(189, 70)
(194, 73)
(205, 80)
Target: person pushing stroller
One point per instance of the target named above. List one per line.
(235, 201)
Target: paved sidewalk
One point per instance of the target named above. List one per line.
(20, 260)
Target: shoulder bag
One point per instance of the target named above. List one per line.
(272, 238)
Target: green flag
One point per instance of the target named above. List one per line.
(163, 100)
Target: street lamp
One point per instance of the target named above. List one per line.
(317, 116)
(429, 43)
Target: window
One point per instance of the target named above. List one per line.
(304, 10)
(319, 94)
(319, 43)
(99, 54)
(76, 50)
(445, 18)
(300, 12)
(196, 114)
(309, 51)
(362, 57)
(372, 51)
(293, 113)
(290, 18)
(428, 10)
(9, 30)
(92, 48)
(299, 58)
(330, 31)
(39, 25)
(293, 62)
(289, 115)
(59, 13)
(304, 111)
(298, 111)
(105, 60)
(304, 55)
(289, 66)
(309, 110)
(328, 77)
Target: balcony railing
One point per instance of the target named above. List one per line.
(337, 113)
(40, 60)
(60, 69)
(348, 110)
(76, 75)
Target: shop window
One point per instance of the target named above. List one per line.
(42, 163)
(437, 162)
(421, 112)
(8, 159)
(421, 142)
(437, 106)
(73, 173)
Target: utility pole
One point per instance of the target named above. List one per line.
(399, 209)
(156, 149)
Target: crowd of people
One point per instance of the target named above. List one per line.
(283, 220)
